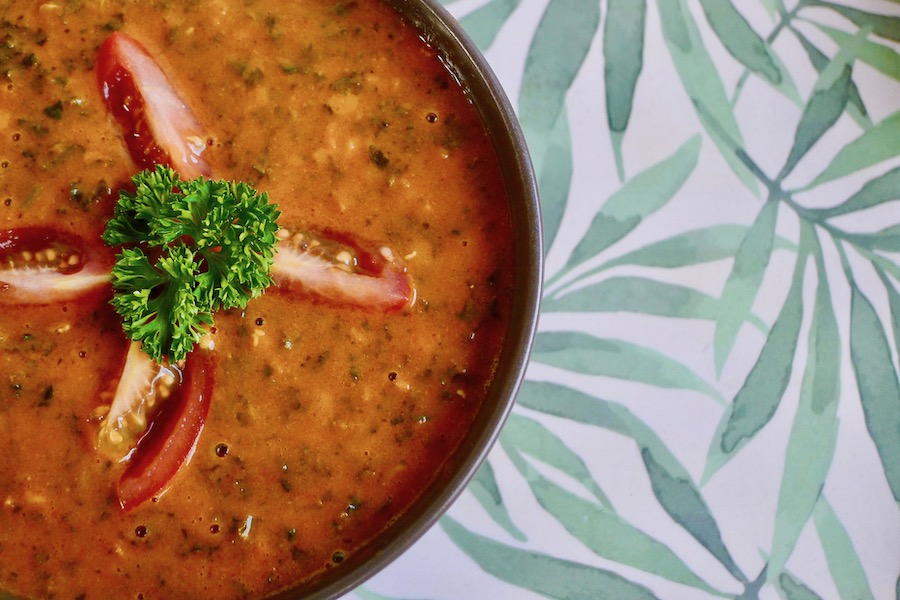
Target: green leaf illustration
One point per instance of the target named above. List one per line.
(586, 354)
(484, 23)
(843, 562)
(555, 179)
(608, 535)
(822, 111)
(485, 489)
(689, 248)
(878, 56)
(872, 147)
(750, 263)
(876, 380)
(524, 435)
(703, 84)
(887, 239)
(681, 499)
(741, 41)
(795, 590)
(814, 432)
(567, 403)
(759, 397)
(894, 302)
(671, 482)
(639, 295)
(774, 7)
(885, 26)
(696, 247)
(882, 188)
(883, 264)
(829, 98)
(551, 67)
(640, 197)
(623, 50)
(553, 577)
(855, 107)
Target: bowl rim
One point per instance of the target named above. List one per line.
(440, 30)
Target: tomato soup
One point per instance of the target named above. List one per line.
(327, 418)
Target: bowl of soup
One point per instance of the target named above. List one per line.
(313, 434)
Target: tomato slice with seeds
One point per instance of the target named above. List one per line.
(158, 127)
(142, 385)
(43, 265)
(336, 268)
(172, 435)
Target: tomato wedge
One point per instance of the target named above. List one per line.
(172, 436)
(43, 265)
(159, 127)
(142, 384)
(335, 268)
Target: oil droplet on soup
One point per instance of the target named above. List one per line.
(327, 419)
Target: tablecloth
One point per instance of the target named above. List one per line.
(712, 408)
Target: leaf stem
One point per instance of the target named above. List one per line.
(786, 18)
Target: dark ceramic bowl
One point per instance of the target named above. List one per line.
(462, 57)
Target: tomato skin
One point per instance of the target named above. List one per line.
(314, 266)
(31, 276)
(158, 126)
(172, 436)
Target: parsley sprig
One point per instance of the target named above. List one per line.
(190, 248)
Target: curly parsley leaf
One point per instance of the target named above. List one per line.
(213, 244)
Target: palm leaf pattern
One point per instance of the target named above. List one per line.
(713, 404)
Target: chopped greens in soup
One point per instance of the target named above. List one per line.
(258, 446)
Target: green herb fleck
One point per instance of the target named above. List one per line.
(351, 83)
(342, 9)
(288, 67)
(85, 196)
(46, 397)
(212, 244)
(116, 22)
(54, 111)
(378, 157)
(250, 75)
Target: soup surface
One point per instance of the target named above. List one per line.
(327, 419)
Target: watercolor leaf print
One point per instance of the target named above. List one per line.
(813, 437)
(550, 68)
(876, 379)
(721, 311)
(623, 49)
(748, 47)
(555, 179)
(761, 393)
(548, 575)
(641, 196)
(702, 83)
(870, 148)
(750, 262)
